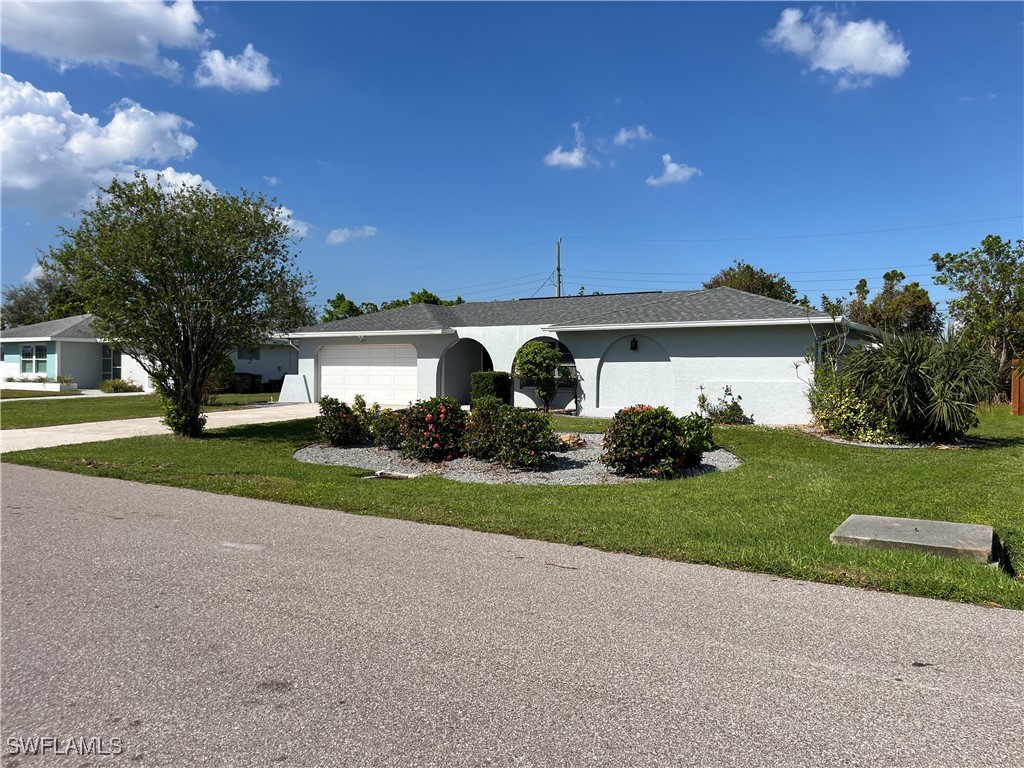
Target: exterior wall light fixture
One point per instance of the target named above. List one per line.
(632, 344)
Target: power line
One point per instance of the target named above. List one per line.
(708, 274)
(439, 263)
(786, 237)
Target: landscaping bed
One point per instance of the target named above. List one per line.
(581, 466)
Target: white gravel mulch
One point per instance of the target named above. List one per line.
(577, 467)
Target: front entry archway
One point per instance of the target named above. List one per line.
(459, 361)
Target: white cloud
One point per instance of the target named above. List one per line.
(576, 157)
(272, 180)
(103, 33)
(33, 274)
(674, 173)
(298, 227)
(338, 236)
(249, 71)
(853, 52)
(54, 158)
(628, 136)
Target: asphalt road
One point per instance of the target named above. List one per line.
(210, 630)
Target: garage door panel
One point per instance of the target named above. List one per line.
(382, 373)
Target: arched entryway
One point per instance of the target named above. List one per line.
(569, 390)
(458, 362)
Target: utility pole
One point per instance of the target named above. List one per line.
(558, 268)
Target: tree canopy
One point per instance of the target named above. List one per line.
(341, 307)
(990, 306)
(898, 309)
(45, 297)
(178, 276)
(746, 277)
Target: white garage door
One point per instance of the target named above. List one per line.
(382, 373)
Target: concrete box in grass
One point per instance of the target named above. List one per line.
(959, 540)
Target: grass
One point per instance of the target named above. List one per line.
(17, 394)
(47, 413)
(774, 514)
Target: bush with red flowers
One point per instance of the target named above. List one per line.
(432, 430)
(653, 442)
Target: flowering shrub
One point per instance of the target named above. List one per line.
(525, 439)
(653, 442)
(337, 423)
(483, 428)
(840, 411)
(726, 411)
(386, 430)
(365, 416)
(432, 430)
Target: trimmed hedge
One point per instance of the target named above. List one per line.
(491, 384)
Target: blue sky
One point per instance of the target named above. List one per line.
(448, 146)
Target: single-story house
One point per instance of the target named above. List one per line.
(657, 348)
(70, 347)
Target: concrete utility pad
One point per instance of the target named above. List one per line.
(964, 540)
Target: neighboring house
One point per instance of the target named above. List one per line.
(655, 348)
(70, 347)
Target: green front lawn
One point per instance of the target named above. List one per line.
(17, 394)
(774, 514)
(49, 413)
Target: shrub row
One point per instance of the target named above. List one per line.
(119, 385)
(641, 440)
(437, 430)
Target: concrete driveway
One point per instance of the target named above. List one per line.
(91, 432)
(211, 630)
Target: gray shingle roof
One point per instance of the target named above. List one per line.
(77, 327)
(715, 305)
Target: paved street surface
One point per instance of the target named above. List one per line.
(91, 432)
(210, 630)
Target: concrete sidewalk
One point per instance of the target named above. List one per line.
(95, 431)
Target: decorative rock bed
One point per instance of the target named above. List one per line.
(578, 467)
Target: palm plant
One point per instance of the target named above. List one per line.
(929, 388)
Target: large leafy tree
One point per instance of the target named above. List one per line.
(990, 306)
(746, 277)
(180, 275)
(45, 297)
(896, 308)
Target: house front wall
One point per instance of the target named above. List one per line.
(11, 366)
(668, 366)
(759, 363)
(275, 361)
(82, 361)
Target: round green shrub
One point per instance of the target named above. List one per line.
(338, 424)
(645, 441)
(482, 439)
(432, 430)
(524, 438)
(386, 430)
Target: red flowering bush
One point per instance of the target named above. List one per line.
(432, 430)
(653, 442)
